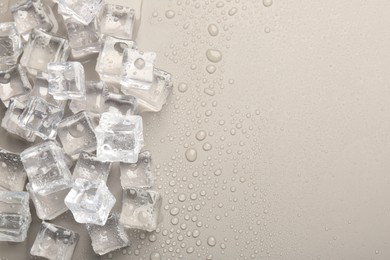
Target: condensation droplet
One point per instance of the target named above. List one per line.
(211, 241)
(155, 256)
(213, 30)
(232, 11)
(267, 3)
(170, 14)
(191, 154)
(207, 146)
(214, 55)
(201, 135)
(183, 87)
(211, 69)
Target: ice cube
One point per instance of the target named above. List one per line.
(77, 133)
(11, 45)
(154, 98)
(10, 120)
(94, 101)
(140, 209)
(41, 118)
(30, 14)
(46, 168)
(89, 168)
(119, 103)
(15, 217)
(137, 69)
(90, 201)
(13, 83)
(54, 242)
(137, 175)
(109, 237)
(119, 138)
(48, 206)
(83, 39)
(109, 62)
(83, 11)
(41, 89)
(43, 48)
(12, 174)
(66, 80)
(117, 21)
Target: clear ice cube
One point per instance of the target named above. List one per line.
(137, 175)
(117, 21)
(15, 217)
(43, 48)
(12, 174)
(137, 69)
(66, 80)
(54, 242)
(90, 201)
(109, 237)
(41, 89)
(88, 167)
(11, 123)
(77, 133)
(13, 83)
(11, 45)
(48, 206)
(119, 103)
(30, 14)
(83, 39)
(109, 62)
(46, 168)
(83, 11)
(93, 102)
(140, 209)
(41, 117)
(154, 98)
(119, 138)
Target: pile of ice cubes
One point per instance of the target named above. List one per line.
(73, 123)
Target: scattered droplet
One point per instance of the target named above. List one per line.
(214, 55)
(170, 14)
(191, 154)
(232, 11)
(211, 241)
(201, 135)
(155, 256)
(211, 69)
(213, 30)
(183, 87)
(267, 3)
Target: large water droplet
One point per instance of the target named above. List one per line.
(211, 241)
(191, 154)
(214, 55)
(213, 30)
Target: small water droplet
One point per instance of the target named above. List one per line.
(170, 14)
(267, 3)
(211, 241)
(183, 87)
(191, 154)
(214, 55)
(213, 30)
(211, 69)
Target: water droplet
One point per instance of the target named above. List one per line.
(191, 154)
(214, 55)
(232, 11)
(217, 172)
(211, 69)
(267, 3)
(207, 146)
(183, 87)
(155, 256)
(174, 211)
(267, 30)
(170, 14)
(211, 241)
(213, 30)
(201, 135)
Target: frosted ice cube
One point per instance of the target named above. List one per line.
(93, 102)
(89, 168)
(109, 62)
(117, 21)
(83, 11)
(66, 80)
(140, 209)
(11, 123)
(43, 48)
(41, 89)
(12, 174)
(119, 138)
(41, 118)
(48, 206)
(119, 103)
(30, 14)
(137, 175)
(15, 217)
(90, 201)
(46, 168)
(83, 39)
(109, 237)
(77, 133)
(10, 44)
(137, 69)
(54, 242)
(13, 83)
(154, 98)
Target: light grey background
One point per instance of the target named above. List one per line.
(297, 115)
